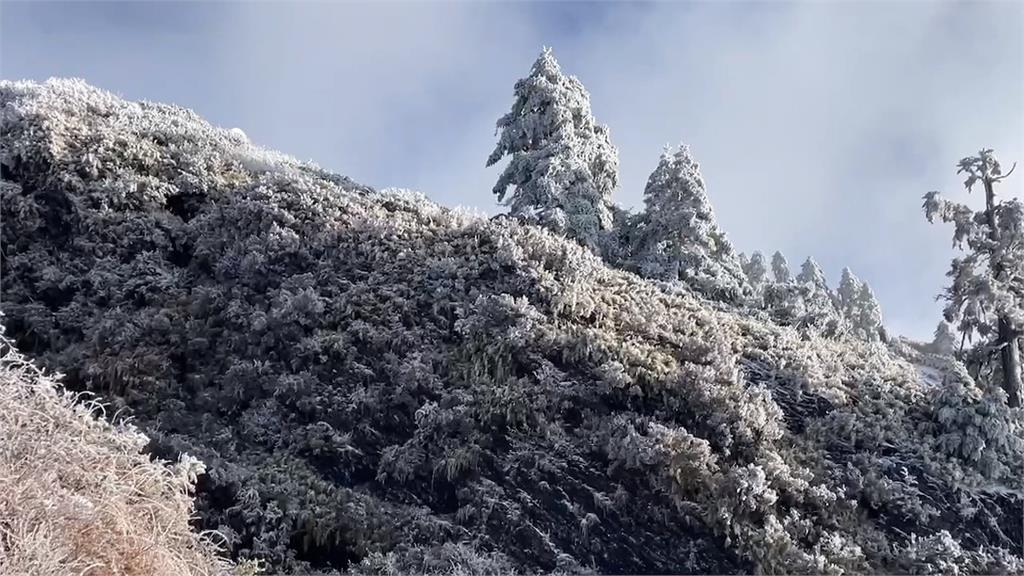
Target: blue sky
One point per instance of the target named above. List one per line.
(818, 125)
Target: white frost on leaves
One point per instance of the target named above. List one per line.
(680, 239)
(756, 270)
(780, 268)
(238, 135)
(485, 334)
(988, 280)
(860, 308)
(563, 166)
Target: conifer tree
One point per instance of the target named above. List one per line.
(681, 239)
(780, 268)
(563, 166)
(987, 291)
(848, 292)
(756, 270)
(811, 273)
(820, 311)
(859, 307)
(866, 319)
(944, 342)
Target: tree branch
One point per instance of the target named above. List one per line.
(1003, 177)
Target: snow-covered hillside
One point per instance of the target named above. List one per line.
(377, 384)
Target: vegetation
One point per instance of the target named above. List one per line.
(80, 497)
(563, 167)
(988, 283)
(376, 384)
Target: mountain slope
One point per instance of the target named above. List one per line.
(379, 384)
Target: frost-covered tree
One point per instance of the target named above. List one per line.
(944, 342)
(866, 318)
(987, 291)
(681, 239)
(859, 307)
(485, 366)
(784, 302)
(848, 292)
(756, 270)
(780, 268)
(820, 310)
(782, 298)
(811, 273)
(563, 166)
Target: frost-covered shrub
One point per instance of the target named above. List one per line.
(941, 553)
(376, 383)
(80, 496)
(976, 426)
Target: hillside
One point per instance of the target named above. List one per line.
(378, 384)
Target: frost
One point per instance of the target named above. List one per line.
(376, 383)
(563, 167)
(986, 296)
(679, 237)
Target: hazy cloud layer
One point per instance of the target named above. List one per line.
(818, 125)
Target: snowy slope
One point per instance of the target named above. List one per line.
(379, 384)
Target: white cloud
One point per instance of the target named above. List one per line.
(818, 125)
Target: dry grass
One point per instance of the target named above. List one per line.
(78, 496)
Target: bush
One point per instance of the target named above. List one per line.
(377, 383)
(80, 496)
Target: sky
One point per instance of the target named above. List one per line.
(818, 125)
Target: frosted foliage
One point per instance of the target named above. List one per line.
(756, 270)
(848, 293)
(377, 384)
(866, 320)
(820, 304)
(859, 307)
(944, 341)
(780, 268)
(563, 166)
(988, 279)
(986, 296)
(680, 238)
(810, 273)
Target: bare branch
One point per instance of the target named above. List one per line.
(1003, 177)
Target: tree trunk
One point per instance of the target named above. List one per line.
(1007, 338)
(1011, 364)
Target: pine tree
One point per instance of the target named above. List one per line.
(681, 239)
(859, 307)
(866, 319)
(944, 342)
(780, 268)
(811, 273)
(820, 311)
(744, 261)
(756, 270)
(563, 166)
(848, 292)
(988, 281)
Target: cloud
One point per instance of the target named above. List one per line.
(818, 125)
